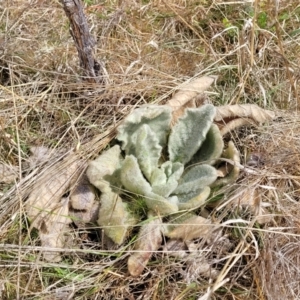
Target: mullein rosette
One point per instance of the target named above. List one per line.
(170, 167)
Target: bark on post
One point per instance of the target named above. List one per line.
(92, 69)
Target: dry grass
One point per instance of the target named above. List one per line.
(150, 47)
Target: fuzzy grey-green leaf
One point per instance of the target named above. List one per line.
(189, 133)
(161, 205)
(172, 169)
(193, 199)
(172, 173)
(104, 165)
(114, 217)
(148, 150)
(132, 177)
(158, 177)
(233, 154)
(197, 177)
(158, 118)
(211, 149)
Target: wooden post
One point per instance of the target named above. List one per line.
(92, 69)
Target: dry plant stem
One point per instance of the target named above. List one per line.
(19, 198)
(243, 80)
(83, 40)
(252, 39)
(286, 62)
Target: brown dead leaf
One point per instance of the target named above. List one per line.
(8, 173)
(191, 228)
(45, 202)
(186, 95)
(190, 90)
(149, 240)
(236, 123)
(50, 187)
(252, 111)
(83, 206)
(82, 196)
(82, 217)
(55, 223)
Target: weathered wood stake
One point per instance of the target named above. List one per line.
(92, 69)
